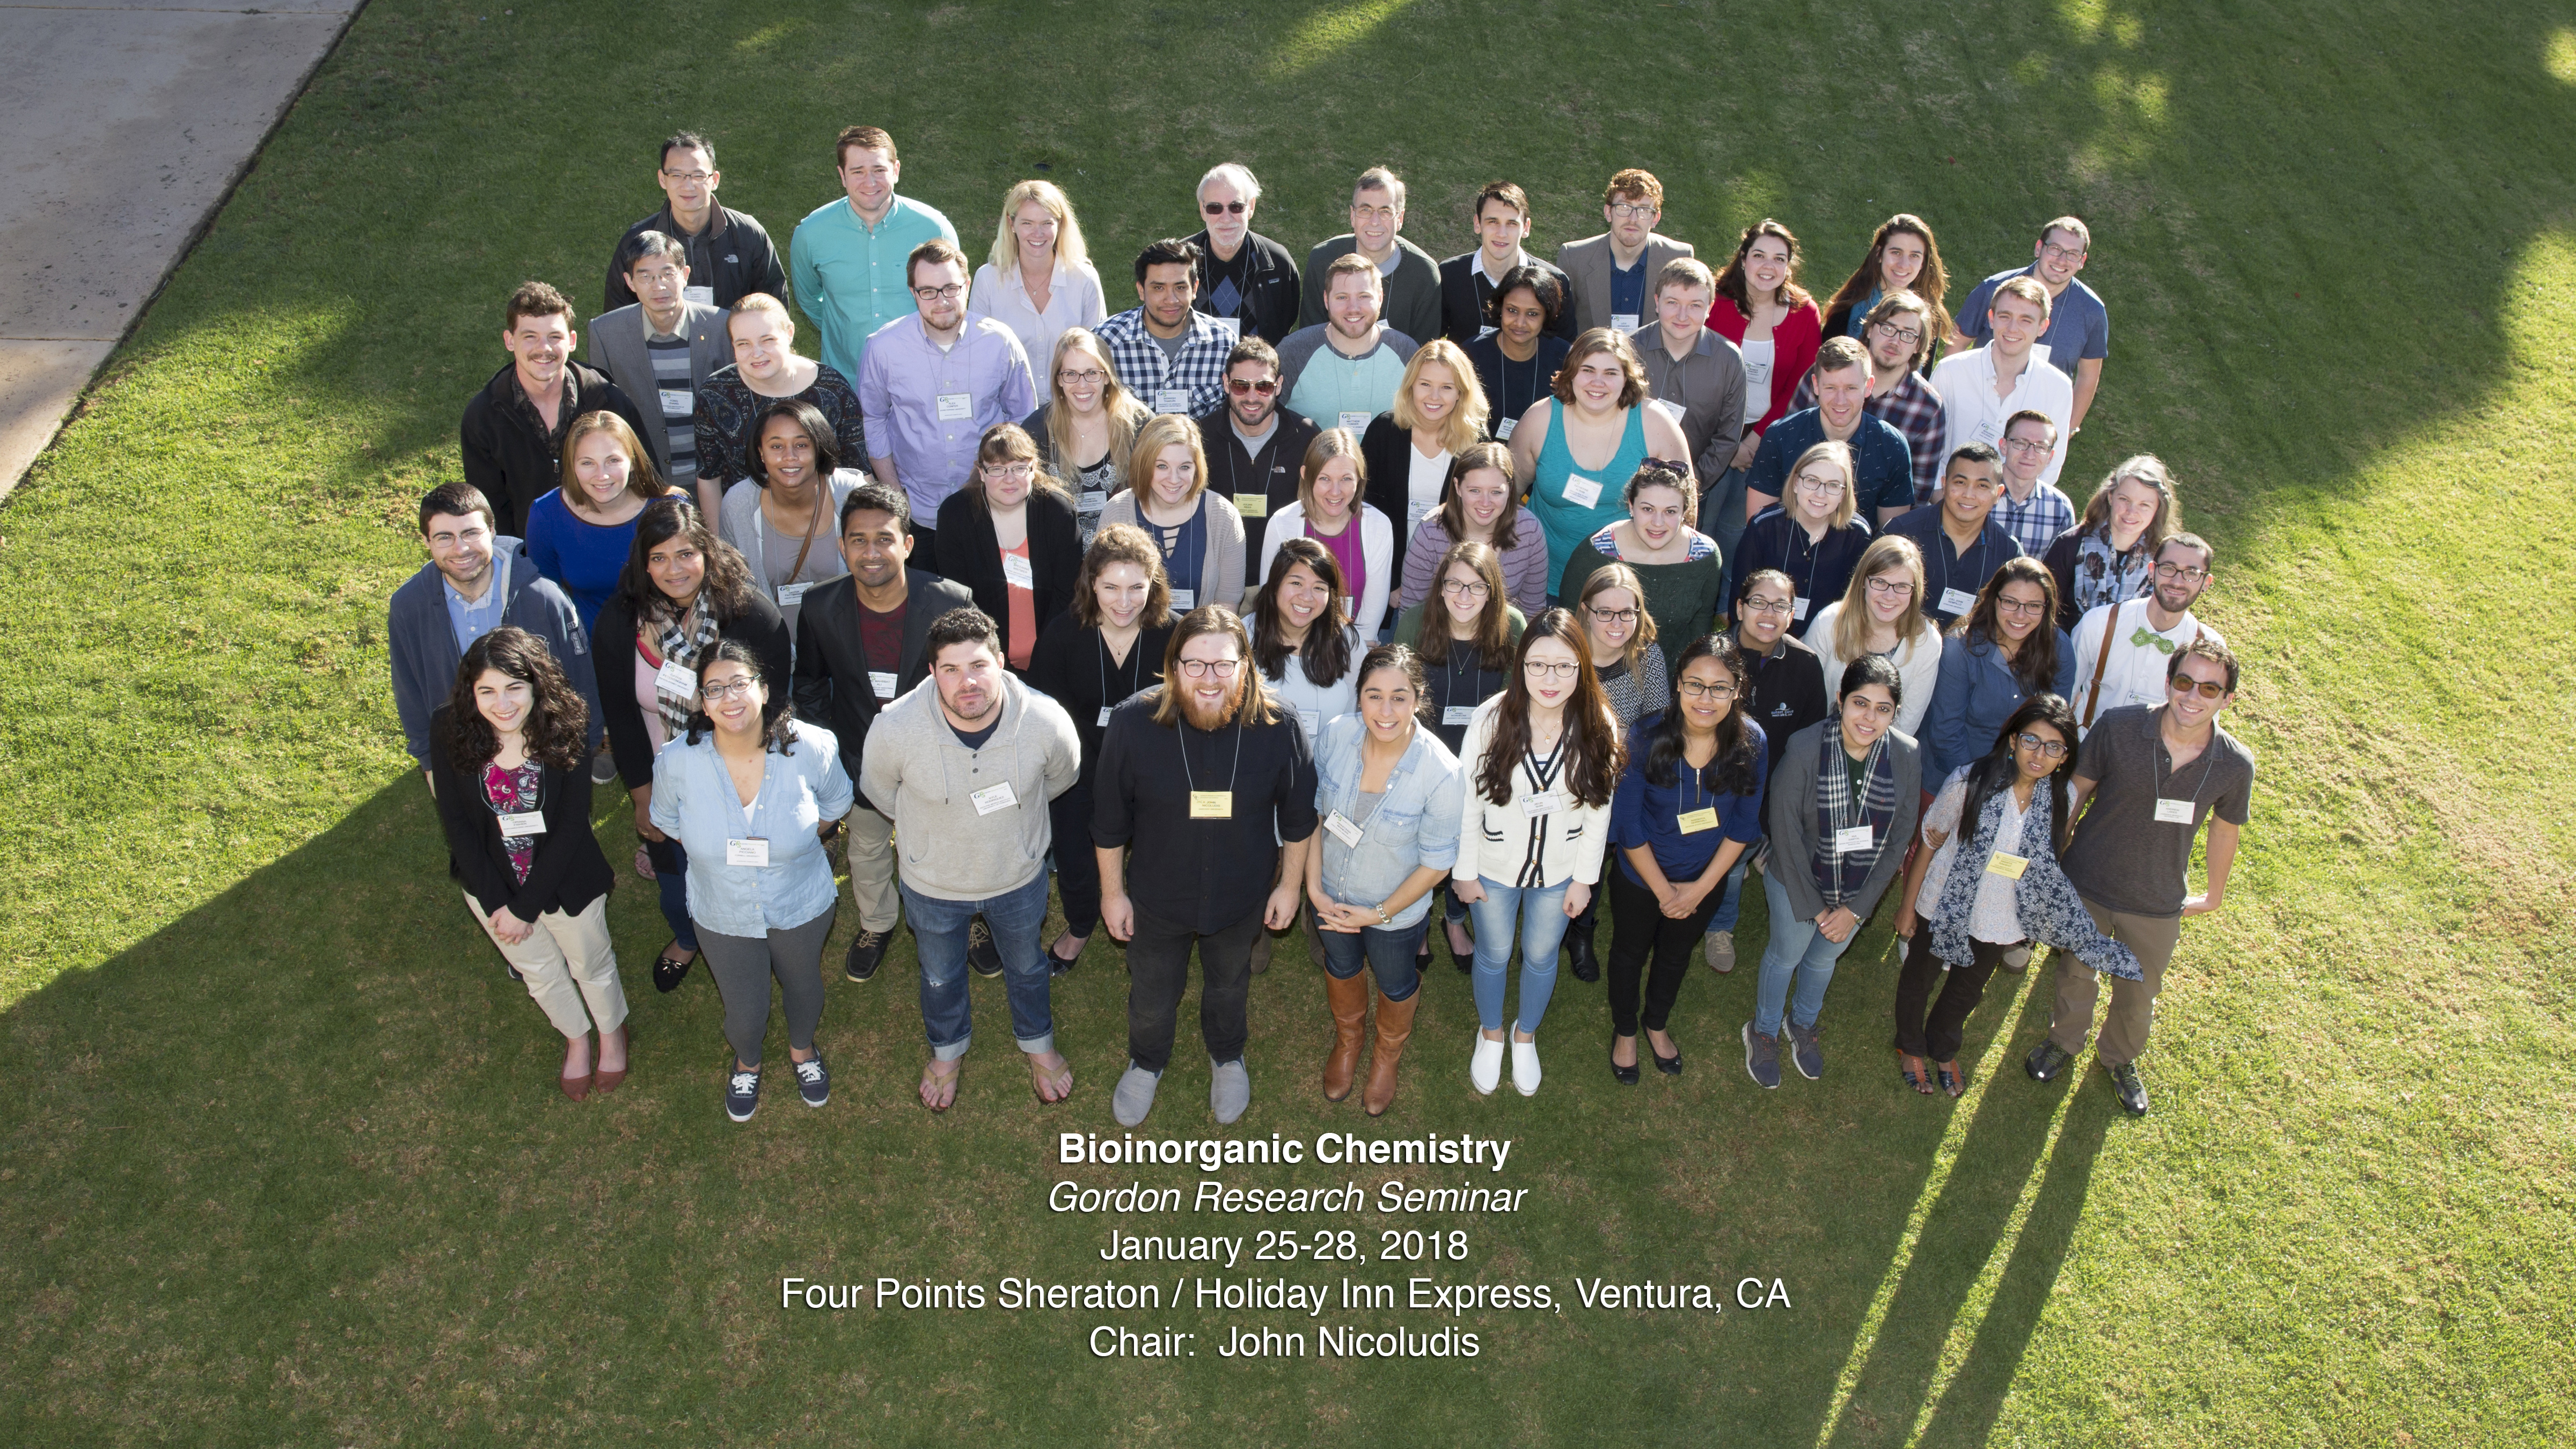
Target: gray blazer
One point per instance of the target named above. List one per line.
(1587, 267)
(1220, 579)
(1790, 814)
(617, 348)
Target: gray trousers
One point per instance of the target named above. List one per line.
(745, 965)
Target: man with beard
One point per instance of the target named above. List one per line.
(933, 382)
(1204, 777)
(2121, 649)
(1343, 372)
(966, 769)
(1171, 357)
(1254, 446)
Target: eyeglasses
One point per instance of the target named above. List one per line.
(2177, 571)
(1464, 588)
(739, 689)
(1767, 606)
(2019, 608)
(1821, 487)
(1020, 471)
(2056, 253)
(1693, 689)
(1907, 335)
(1669, 465)
(949, 293)
(1265, 386)
(1372, 213)
(1544, 669)
(1202, 668)
(1215, 208)
(2207, 688)
(1089, 376)
(1892, 588)
(691, 178)
(2054, 749)
(1612, 616)
(1629, 210)
(2025, 446)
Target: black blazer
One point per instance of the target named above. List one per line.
(971, 555)
(760, 625)
(569, 871)
(1386, 454)
(832, 669)
(1462, 300)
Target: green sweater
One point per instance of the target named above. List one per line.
(1683, 598)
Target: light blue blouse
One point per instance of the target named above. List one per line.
(694, 802)
(1415, 825)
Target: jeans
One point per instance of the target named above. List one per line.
(1721, 514)
(1797, 949)
(1539, 913)
(1932, 1026)
(939, 933)
(671, 881)
(1077, 867)
(743, 967)
(1158, 975)
(1389, 951)
(1639, 928)
(1731, 895)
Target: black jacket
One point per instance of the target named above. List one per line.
(1785, 691)
(1273, 475)
(1269, 311)
(831, 668)
(1463, 290)
(507, 452)
(569, 871)
(612, 644)
(1072, 668)
(1386, 458)
(970, 554)
(733, 256)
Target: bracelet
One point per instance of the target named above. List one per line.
(1383, 918)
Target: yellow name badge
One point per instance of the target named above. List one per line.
(1252, 505)
(2009, 867)
(1693, 822)
(1211, 804)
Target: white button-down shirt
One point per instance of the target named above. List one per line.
(1971, 413)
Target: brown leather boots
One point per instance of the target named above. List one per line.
(1349, 1001)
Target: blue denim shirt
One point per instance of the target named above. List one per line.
(1977, 691)
(694, 802)
(1415, 825)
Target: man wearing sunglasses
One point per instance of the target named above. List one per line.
(1245, 279)
(2078, 335)
(2145, 780)
(1255, 448)
(2121, 650)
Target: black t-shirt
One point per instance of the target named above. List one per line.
(1203, 874)
(1073, 668)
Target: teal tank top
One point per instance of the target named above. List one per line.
(1565, 519)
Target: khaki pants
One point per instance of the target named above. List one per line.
(2133, 1003)
(871, 853)
(568, 966)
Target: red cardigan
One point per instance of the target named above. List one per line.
(1793, 350)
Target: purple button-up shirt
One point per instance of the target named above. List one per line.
(904, 376)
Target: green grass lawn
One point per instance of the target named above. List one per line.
(280, 1156)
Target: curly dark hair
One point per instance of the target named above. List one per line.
(777, 711)
(557, 730)
(1736, 768)
(1326, 648)
(727, 584)
(1591, 773)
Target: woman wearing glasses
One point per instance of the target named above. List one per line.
(1689, 806)
(1329, 512)
(1481, 505)
(1086, 427)
(1466, 638)
(1881, 613)
(2004, 650)
(1814, 536)
(1197, 531)
(1542, 761)
(1986, 882)
(1009, 536)
(1677, 566)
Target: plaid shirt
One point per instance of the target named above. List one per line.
(1147, 371)
(1914, 410)
(2036, 524)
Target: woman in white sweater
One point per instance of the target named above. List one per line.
(1881, 612)
(1542, 760)
(1329, 510)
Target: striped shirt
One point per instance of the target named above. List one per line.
(679, 404)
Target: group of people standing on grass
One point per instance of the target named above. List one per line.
(1484, 588)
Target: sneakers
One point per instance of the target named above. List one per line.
(1135, 1095)
(1229, 1090)
(1485, 1068)
(1761, 1057)
(1719, 948)
(742, 1093)
(1525, 1068)
(2016, 958)
(1806, 1052)
(814, 1081)
(2133, 1092)
(981, 953)
(867, 952)
(2045, 1061)
(603, 767)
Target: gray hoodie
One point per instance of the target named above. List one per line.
(916, 769)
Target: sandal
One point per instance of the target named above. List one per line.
(1953, 1080)
(669, 972)
(1050, 1088)
(1910, 1067)
(938, 1088)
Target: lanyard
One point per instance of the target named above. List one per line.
(1135, 663)
(1189, 776)
(1978, 553)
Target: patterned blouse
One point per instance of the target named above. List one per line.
(727, 408)
(511, 791)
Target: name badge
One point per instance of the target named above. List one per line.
(1503, 429)
(2039, 352)
(1672, 410)
(1104, 715)
(790, 595)
(1184, 600)
(1310, 720)
(1211, 804)
(752, 852)
(1458, 714)
(1017, 572)
(1757, 374)
(1342, 828)
(2009, 867)
(703, 296)
(994, 797)
(881, 684)
(1624, 321)
(677, 402)
(1252, 505)
(1414, 513)
(1798, 610)
(1357, 422)
(519, 824)
(675, 679)
(1231, 326)
(1955, 602)
(955, 407)
(1988, 431)
(2173, 812)
(1485, 331)
(1582, 492)
(1090, 500)
(1171, 400)
(1545, 802)
(1851, 838)
(1692, 822)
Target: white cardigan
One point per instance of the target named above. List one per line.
(1499, 842)
(1377, 553)
(1918, 665)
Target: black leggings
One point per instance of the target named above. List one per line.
(1935, 1035)
(1077, 867)
(1639, 926)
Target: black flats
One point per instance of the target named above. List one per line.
(667, 973)
(1627, 1075)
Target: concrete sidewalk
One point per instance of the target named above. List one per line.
(127, 122)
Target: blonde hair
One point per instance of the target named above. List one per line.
(1618, 576)
(1125, 413)
(1851, 626)
(1840, 455)
(761, 302)
(1159, 432)
(1466, 425)
(1329, 444)
(1069, 247)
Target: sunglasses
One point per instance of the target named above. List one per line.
(1240, 388)
(2207, 688)
(1217, 208)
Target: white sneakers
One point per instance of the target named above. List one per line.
(1485, 1068)
(1525, 1067)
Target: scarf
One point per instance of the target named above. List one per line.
(2103, 577)
(2044, 900)
(1839, 873)
(685, 640)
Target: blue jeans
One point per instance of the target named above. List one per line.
(1796, 949)
(671, 881)
(939, 930)
(1390, 953)
(1731, 896)
(1540, 916)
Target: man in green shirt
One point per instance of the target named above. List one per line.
(847, 259)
